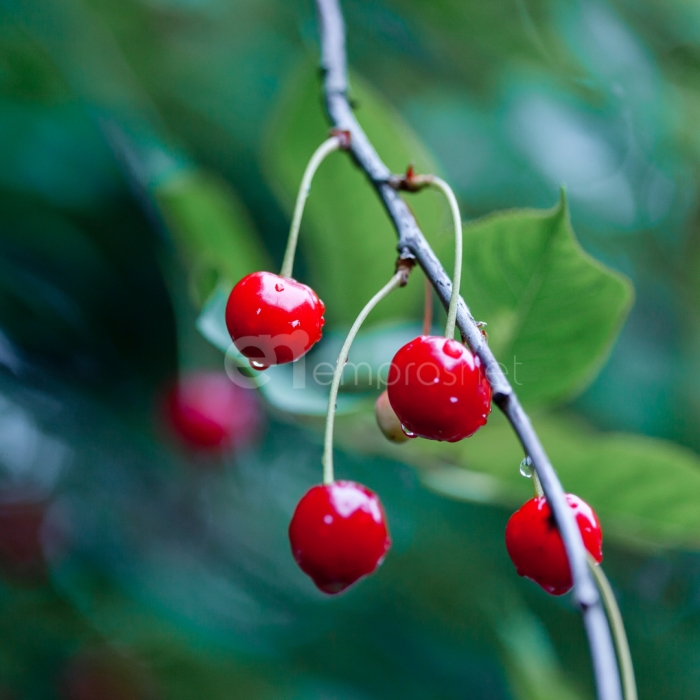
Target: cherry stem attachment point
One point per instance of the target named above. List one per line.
(334, 143)
(624, 657)
(414, 183)
(536, 484)
(398, 280)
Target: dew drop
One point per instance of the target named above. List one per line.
(295, 324)
(279, 287)
(260, 366)
(407, 432)
(526, 468)
(328, 519)
(257, 313)
(453, 399)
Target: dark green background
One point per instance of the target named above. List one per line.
(148, 152)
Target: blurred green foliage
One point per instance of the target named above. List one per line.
(349, 240)
(151, 150)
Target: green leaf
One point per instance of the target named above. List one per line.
(211, 229)
(346, 235)
(646, 491)
(553, 312)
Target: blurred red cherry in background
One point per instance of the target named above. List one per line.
(21, 550)
(92, 675)
(208, 411)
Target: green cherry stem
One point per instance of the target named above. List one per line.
(428, 308)
(539, 492)
(327, 147)
(440, 184)
(629, 685)
(398, 280)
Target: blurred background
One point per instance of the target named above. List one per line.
(150, 151)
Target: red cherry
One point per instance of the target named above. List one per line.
(537, 549)
(339, 534)
(438, 389)
(207, 410)
(273, 319)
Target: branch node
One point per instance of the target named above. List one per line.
(406, 254)
(410, 182)
(404, 266)
(344, 136)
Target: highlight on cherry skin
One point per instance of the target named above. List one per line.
(438, 389)
(338, 534)
(273, 320)
(536, 547)
(207, 411)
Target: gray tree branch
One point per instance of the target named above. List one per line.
(412, 244)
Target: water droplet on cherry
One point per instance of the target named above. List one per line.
(453, 399)
(260, 366)
(407, 432)
(279, 287)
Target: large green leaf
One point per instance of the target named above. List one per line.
(211, 230)
(553, 312)
(646, 491)
(346, 234)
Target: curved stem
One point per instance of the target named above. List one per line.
(396, 281)
(327, 147)
(629, 685)
(441, 185)
(428, 307)
(536, 484)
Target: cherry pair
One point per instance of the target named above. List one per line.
(338, 532)
(338, 535)
(437, 390)
(436, 386)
